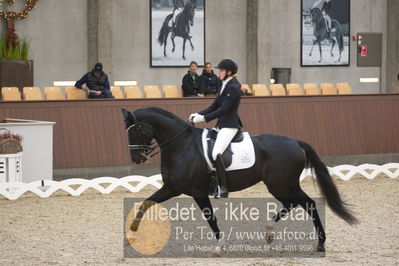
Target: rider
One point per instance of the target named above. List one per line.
(178, 7)
(326, 10)
(225, 107)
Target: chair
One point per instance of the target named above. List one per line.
(33, 95)
(278, 90)
(68, 89)
(152, 92)
(48, 89)
(172, 91)
(26, 89)
(55, 95)
(294, 89)
(133, 92)
(73, 93)
(247, 88)
(344, 88)
(328, 89)
(9, 89)
(260, 90)
(11, 96)
(311, 89)
(117, 92)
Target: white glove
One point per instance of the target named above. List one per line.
(192, 117)
(198, 119)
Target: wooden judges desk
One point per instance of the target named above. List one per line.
(91, 133)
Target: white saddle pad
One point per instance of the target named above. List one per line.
(243, 152)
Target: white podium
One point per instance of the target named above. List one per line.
(37, 143)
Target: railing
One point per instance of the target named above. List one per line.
(46, 188)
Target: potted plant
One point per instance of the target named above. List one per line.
(16, 68)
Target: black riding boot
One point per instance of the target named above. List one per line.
(221, 189)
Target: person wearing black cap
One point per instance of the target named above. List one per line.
(225, 108)
(95, 83)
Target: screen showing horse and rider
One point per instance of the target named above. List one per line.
(177, 32)
(325, 36)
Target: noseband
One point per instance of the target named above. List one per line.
(144, 149)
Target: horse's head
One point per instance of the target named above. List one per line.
(140, 135)
(316, 14)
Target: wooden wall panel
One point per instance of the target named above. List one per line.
(91, 133)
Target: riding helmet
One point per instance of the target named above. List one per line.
(229, 65)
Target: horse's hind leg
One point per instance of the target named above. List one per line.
(310, 206)
(288, 205)
(332, 47)
(184, 48)
(163, 194)
(165, 44)
(191, 43)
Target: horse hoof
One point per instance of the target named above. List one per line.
(131, 237)
(310, 54)
(332, 55)
(269, 235)
(215, 255)
(320, 248)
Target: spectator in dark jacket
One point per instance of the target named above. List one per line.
(210, 83)
(191, 82)
(95, 83)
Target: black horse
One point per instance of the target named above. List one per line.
(280, 161)
(184, 20)
(321, 33)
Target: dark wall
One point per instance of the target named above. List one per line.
(91, 133)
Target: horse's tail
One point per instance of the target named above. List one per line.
(164, 30)
(339, 34)
(327, 185)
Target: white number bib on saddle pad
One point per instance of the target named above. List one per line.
(243, 152)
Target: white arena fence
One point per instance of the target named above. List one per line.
(106, 185)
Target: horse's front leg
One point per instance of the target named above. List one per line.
(184, 48)
(163, 194)
(174, 45)
(321, 52)
(311, 50)
(206, 207)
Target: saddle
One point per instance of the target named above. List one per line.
(228, 154)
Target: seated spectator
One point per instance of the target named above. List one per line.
(210, 83)
(95, 83)
(191, 82)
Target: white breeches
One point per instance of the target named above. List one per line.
(225, 136)
(173, 20)
(328, 21)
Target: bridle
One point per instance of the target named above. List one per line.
(144, 149)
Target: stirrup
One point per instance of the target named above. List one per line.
(218, 193)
